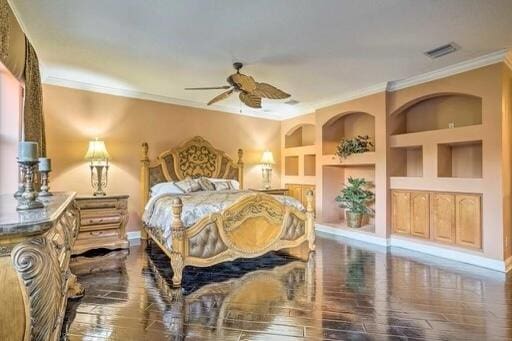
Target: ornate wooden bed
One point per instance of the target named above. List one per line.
(250, 227)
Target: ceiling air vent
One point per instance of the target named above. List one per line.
(292, 102)
(442, 50)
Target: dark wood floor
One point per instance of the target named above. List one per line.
(347, 291)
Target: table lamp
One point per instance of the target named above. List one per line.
(267, 160)
(98, 157)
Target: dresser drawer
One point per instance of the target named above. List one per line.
(98, 234)
(97, 203)
(86, 220)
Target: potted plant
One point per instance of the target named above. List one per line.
(356, 145)
(354, 198)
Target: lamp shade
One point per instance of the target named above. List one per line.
(267, 158)
(97, 151)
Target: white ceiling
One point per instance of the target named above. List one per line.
(316, 50)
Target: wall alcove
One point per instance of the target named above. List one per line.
(347, 125)
(438, 111)
(303, 135)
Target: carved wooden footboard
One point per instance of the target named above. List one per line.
(252, 226)
(249, 228)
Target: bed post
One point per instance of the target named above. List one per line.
(144, 183)
(240, 168)
(178, 242)
(310, 220)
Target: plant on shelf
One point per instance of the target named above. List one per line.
(354, 198)
(356, 145)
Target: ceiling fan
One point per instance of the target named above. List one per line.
(250, 91)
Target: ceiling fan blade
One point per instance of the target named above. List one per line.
(269, 91)
(220, 97)
(244, 82)
(211, 88)
(250, 100)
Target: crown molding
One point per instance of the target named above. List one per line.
(348, 96)
(475, 63)
(115, 91)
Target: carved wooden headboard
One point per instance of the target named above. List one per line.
(194, 158)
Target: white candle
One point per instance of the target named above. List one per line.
(45, 164)
(27, 151)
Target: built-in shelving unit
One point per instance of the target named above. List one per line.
(303, 135)
(459, 160)
(406, 161)
(346, 126)
(291, 165)
(309, 164)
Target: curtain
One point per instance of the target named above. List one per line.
(20, 58)
(33, 121)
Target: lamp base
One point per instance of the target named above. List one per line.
(28, 205)
(99, 194)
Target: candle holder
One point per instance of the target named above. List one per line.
(21, 182)
(44, 190)
(28, 197)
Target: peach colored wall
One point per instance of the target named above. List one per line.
(10, 113)
(507, 159)
(73, 117)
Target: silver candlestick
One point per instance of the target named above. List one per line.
(44, 190)
(21, 182)
(28, 197)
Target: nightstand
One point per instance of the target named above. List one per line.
(271, 191)
(102, 222)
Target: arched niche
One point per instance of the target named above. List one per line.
(299, 136)
(346, 125)
(437, 111)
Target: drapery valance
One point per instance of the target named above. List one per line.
(20, 58)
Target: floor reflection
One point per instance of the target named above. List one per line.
(347, 290)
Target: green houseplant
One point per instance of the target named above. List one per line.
(354, 198)
(356, 145)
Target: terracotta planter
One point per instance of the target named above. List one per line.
(354, 219)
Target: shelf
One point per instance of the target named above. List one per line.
(406, 161)
(449, 135)
(346, 126)
(362, 159)
(301, 136)
(460, 185)
(291, 165)
(299, 150)
(460, 160)
(309, 164)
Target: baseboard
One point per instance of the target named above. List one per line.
(356, 235)
(133, 235)
(421, 247)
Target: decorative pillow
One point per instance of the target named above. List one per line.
(222, 185)
(206, 185)
(166, 187)
(189, 185)
(235, 185)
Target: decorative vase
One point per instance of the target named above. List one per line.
(354, 219)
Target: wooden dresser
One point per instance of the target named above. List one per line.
(102, 222)
(35, 280)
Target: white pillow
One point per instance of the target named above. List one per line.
(235, 185)
(166, 187)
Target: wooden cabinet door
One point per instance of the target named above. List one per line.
(294, 191)
(443, 217)
(304, 191)
(420, 214)
(468, 220)
(401, 208)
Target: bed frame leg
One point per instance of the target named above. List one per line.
(310, 222)
(177, 268)
(178, 242)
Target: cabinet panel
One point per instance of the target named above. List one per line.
(401, 216)
(443, 217)
(468, 220)
(420, 214)
(294, 191)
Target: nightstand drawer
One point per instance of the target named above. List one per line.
(98, 227)
(97, 203)
(99, 234)
(98, 220)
